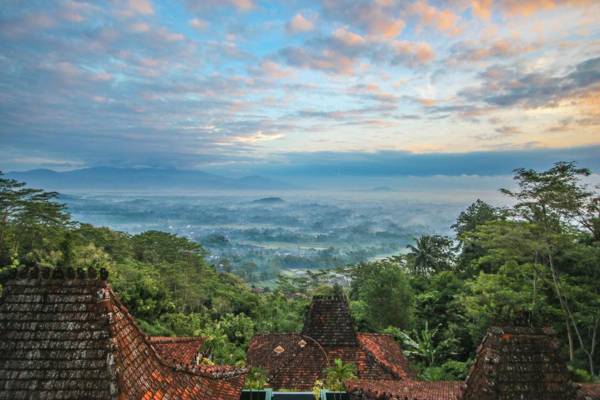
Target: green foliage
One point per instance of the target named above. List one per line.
(423, 345)
(338, 374)
(430, 254)
(451, 370)
(256, 379)
(382, 292)
(541, 255)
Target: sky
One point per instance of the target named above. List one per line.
(374, 86)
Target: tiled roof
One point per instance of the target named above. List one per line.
(181, 350)
(512, 363)
(295, 361)
(328, 321)
(387, 352)
(71, 338)
(403, 390)
(519, 363)
(589, 391)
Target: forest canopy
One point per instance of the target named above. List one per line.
(539, 257)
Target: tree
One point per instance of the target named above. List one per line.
(430, 254)
(25, 214)
(383, 293)
(476, 214)
(557, 203)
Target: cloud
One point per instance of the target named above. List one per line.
(130, 8)
(256, 137)
(376, 18)
(509, 87)
(345, 52)
(348, 38)
(140, 27)
(485, 8)
(471, 51)
(198, 23)
(207, 5)
(442, 20)
(327, 60)
(412, 54)
(403, 163)
(299, 23)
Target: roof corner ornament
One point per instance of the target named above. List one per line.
(279, 349)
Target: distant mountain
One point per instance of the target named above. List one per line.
(382, 189)
(112, 178)
(269, 200)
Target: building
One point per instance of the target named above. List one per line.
(297, 360)
(514, 362)
(64, 334)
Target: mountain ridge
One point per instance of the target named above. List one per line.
(140, 178)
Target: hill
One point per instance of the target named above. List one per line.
(113, 178)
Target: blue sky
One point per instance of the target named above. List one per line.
(249, 85)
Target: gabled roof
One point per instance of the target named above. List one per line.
(329, 322)
(404, 390)
(521, 361)
(511, 363)
(180, 350)
(296, 361)
(71, 338)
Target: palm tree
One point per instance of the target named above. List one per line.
(431, 253)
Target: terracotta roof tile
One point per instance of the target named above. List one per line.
(387, 352)
(295, 361)
(73, 339)
(328, 321)
(521, 362)
(403, 390)
(182, 350)
(589, 391)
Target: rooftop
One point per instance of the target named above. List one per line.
(66, 335)
(296, 360)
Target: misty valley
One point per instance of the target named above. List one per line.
(257, 236)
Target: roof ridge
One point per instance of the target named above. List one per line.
(57, 273)
(228, 372)
(405, 375)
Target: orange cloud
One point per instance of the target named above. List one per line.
(300, 24)
(483, 8)
(348, 38)
(242, 4)
(443, 20)
(272, 69)
(412, 53)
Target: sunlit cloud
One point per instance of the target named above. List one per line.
(154, 82)
(299, 23)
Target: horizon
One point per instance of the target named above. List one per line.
(245, 87)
